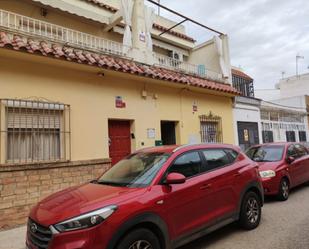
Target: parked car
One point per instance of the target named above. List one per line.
(282, 166)
(159, 198)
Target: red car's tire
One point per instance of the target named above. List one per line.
(284, 190)
(251, 211)
(139, 238)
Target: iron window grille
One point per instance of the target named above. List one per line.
(302, 136)
(34, 131)
(211, 128)
(290, 136)
(268, 136)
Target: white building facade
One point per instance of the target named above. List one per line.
(246, 111)
(284, 120)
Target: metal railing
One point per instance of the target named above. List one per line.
(34, 27)
(185, 67)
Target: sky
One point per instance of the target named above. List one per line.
(264, 35)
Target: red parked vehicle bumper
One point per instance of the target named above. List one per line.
(271, 185)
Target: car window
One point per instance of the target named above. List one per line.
(301, 150)
(292, 152)
(266, 153)
(216, 158)
(188, 164)
(232, 154)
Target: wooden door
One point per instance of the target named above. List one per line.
(119, 139)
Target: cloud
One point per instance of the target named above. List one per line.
(265, 35)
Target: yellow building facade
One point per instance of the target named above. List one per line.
(91, 94)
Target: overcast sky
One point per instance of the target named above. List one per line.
(265, 35)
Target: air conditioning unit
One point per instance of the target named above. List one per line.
(176, 55)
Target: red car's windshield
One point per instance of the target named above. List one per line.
(137, 170)
(266, 153)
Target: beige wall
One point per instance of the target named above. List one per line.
(92, 100)
(206, 54)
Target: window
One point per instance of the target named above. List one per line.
(268, 136)
(188, 164)
(216, 158)
(290, 136)
(137, 170)
(232, 154)
(211, 129)
(35, 131)
(266, 153)
(301, 150)
(292, 152)
(302, 136)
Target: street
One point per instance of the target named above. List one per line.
(284, 225)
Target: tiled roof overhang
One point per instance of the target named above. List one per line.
(241, 74)
(155, 25)
(45, 48)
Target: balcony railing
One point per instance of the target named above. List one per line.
(34, 27)
(185, 67)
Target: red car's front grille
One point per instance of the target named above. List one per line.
(38, 235)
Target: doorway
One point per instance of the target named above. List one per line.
(248, 134)
(119, 139)
(168, 132)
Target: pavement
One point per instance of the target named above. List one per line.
(284, 225)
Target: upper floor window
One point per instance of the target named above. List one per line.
(244, 86)
(35, 131)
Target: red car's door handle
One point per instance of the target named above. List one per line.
(237, 175)
(205, 186)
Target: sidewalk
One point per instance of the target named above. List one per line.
(13, 238)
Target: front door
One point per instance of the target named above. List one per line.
(168, 134)
(248, 134)
(119, 139)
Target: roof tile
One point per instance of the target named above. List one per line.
(109, 62)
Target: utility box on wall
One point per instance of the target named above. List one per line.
(158, 143)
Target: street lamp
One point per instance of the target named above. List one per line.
(297, 58)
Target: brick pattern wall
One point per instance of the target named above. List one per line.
(23, 186)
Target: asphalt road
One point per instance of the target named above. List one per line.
(284, 225)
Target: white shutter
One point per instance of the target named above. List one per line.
(33, 118)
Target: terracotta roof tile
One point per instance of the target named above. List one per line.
(109, 62)
(241, 74)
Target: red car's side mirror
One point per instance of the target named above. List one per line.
(175, 178)
(290, 159)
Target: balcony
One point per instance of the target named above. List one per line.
(187, 68)
(36, 28)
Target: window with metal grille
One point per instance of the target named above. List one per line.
(211, 128)
(290, 136)
(268, 136)
(302, 136)
(35, 131)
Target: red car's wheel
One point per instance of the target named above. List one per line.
(284, 190)
(140, 239)
(250, 213)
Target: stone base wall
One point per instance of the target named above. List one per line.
(22, 186)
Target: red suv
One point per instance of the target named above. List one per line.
(156, 198)
(282, 166)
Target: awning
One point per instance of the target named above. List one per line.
(76, 10)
